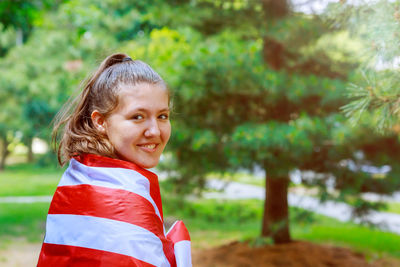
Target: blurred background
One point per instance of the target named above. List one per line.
(285, 148)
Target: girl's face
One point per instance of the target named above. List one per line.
(139, 127)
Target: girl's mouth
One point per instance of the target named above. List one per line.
(148, 147)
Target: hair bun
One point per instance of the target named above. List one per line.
(115, 59)
(127, 59)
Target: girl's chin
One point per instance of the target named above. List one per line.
(141, 162)
(145, 165)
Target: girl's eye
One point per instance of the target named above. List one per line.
(164, 116)
(137, 117)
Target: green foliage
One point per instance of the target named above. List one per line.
(260, 241)
(302, 217)
(7, 39)
(271, 142)
(47, 159)
(375, 90)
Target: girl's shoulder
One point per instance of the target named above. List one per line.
(93, 160)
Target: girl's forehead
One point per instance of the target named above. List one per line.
(143, 94)
(142, 89)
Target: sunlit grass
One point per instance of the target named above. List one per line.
(361, 238)
(393, 207)
(240, 176)
(211, 234)
(29, 180)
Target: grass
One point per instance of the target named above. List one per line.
(213, 222)
(25, 221)
(393, 207)
(360, 238)
(241, 176)
(212, 234)
(29, 180)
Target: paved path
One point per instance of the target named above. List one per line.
(30, 199)
(341, 211)
(375, 197)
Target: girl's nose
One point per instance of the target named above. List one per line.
(152, 129)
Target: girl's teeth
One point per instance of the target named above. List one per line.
(150, 146)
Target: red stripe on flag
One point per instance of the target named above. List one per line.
(115, 204)
(178, 232)
(61, 255)
(92, 160)
(109, 203)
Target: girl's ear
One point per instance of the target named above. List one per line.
(98, 121)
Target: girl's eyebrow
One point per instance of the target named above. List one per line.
(145, 110)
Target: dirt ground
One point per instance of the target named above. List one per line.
(20, 254)
(296, 254)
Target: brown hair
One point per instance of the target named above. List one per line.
(100, 92)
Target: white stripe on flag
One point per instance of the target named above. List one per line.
(105, 234)
(183, 254)
(117, 178)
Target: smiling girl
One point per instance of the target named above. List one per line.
(107, 208)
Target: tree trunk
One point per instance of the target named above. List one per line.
(276, 211)
(273, 51)
(30, 150)
(4, 153)
(276, 219)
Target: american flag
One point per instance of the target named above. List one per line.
(108, 212)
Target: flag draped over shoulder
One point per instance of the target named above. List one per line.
(108, 212)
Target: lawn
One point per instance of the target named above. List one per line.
(217, 222)
(360, 238)
(22, 221)
(240, 176)
(29, 180)
(392, 207)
